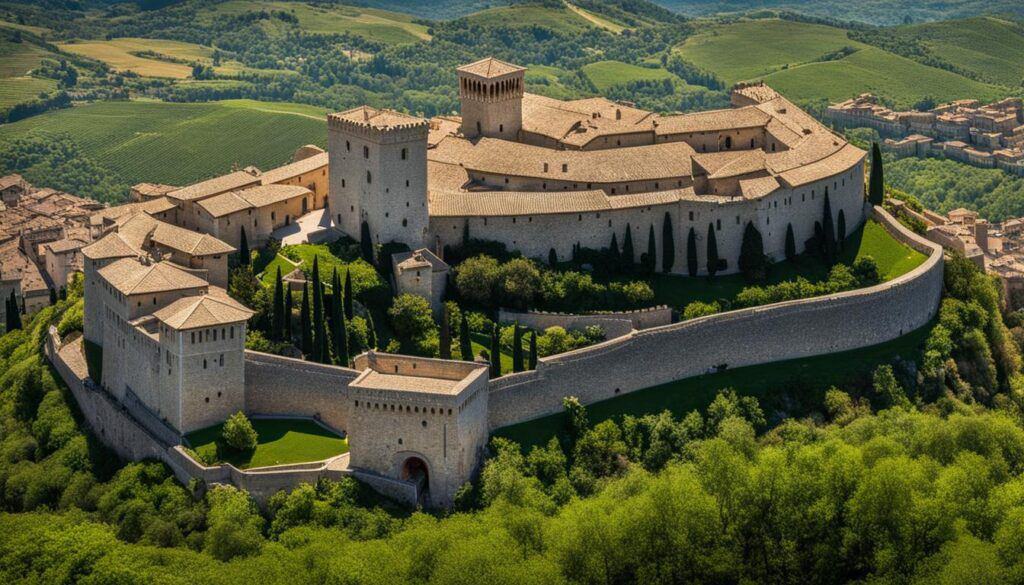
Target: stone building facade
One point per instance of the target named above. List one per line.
(422, 273)
(578, 172)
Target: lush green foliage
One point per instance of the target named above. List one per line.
(238, 433)
(275, 442)
(944, 185)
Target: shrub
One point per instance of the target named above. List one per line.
(477, 279)
(699, 309)
(238, 433)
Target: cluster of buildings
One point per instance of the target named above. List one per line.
(997, 248)
(534, 173)
(990, 135)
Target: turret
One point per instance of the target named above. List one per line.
(491, 93)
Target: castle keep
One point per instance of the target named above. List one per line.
(538, 174)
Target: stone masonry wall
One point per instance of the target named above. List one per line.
(276, 385)
(614, 324)
(757, 335)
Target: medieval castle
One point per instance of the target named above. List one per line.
(532, 172)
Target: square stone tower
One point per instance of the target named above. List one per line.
(491, 92)
(378, 174)
(418, 419)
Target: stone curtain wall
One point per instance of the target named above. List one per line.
(615, 324)
(758, 335)
(276, 385)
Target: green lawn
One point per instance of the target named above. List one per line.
(606, 74)
(482, 342)
(364, 276)
(894, 258)
(177, 143)
(281, 441)
(270, 272)
(797, 386)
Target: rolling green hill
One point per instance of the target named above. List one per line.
(16, 85)
(881, 12)
(801, 61)
(606, 74)
(561, 19)
(374, 24)
(181, 143)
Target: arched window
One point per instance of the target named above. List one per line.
(728, 142)
(405, 153)
(366, 152)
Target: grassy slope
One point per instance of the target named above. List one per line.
(281, 441)
(605, 74)
(560, 19)
(990, 46)
(371, 23)
(118, 54)
(893, 259)
(16, 60)
(597, 19)
(850, 370)
(759, 49)
(181, 143)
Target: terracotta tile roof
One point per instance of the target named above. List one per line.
(370, 117)
(377, 381)
(141, 228)
(290, 171)
(422, 258)
(713, 121)
(758, 187)
(579, 122)
(11, 180)
(153, 206)
(225, 204)
(112, 245)
(16, 266)
(203, 311)
(65, 245)
(153, 189)
(839, 162)
(132, 277)
(730, 163)
(269, 194)
(489, 68)
(214, 186)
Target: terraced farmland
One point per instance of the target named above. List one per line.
(122, 55)
(374, 24)
(16, 60)
(605, 74)
(181, 143)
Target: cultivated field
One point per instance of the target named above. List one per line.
(16, 60)
(378, 25)
(605, 74)
(989, 46)
(14, 90)
(121, 54)
(181, 143)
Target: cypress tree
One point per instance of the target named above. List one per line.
(652, 252)
(320, 345)
(790, 243)
(465, 343)
(627, 250)
(15, 312)
(63, 293)
(613, 254)
(517, 348)
(840, 229)
(712, 251)
(533, 350)
(668, 244)
(288, 315)
(305, 324)
(244, 257)
(7, 314)
(495, 353)
(340, 332)
(371, 331)
(348, 294)
(552, 258)
(876, 181)
(365, 242)
(278, 330)
(446, 335)
(751, 261)
(53, 296)
(691, 253)
(828, 233)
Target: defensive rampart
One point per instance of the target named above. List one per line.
(757, 335)
(276, 385)
(614, 324)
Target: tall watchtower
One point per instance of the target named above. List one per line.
(378, 174)
(491, 92)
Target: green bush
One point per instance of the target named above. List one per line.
(238, 433)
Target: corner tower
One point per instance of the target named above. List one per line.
(491, 93)
(378, 174)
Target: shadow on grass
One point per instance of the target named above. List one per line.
(279, 442)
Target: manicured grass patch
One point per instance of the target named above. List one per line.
(270, 272)
(893, 257)
(178, 144)
(364, 276)
(801, 380)
(605, 74)
(281, 441)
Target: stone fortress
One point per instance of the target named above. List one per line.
(529, 171)
(539, 174)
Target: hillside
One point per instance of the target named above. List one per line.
(523, 16)
(16, 60)
(816, 63)
(152, 57)
(880, 12)
(180, 143)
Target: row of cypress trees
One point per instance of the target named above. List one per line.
(519, 362)
(12, 310)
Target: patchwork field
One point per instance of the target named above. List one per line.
(374, 24)
(122, 55)
(789, 56)
(181, 143)
(605, 74)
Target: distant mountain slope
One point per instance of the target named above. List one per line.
(883, 12)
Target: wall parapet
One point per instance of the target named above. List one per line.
(614, 323)
(756, 335)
